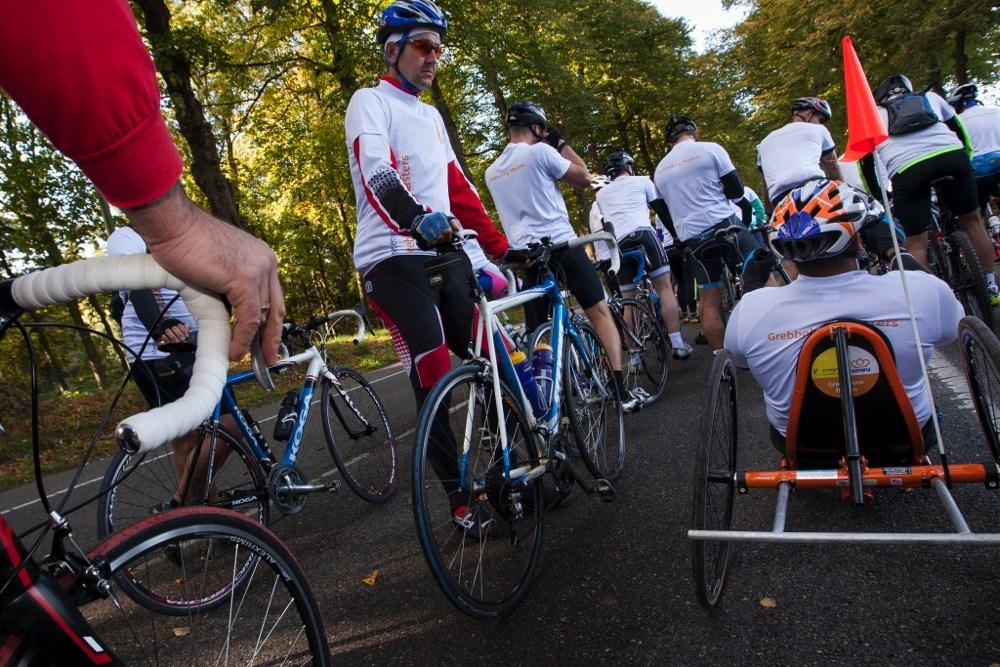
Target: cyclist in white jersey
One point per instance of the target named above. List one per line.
(411, 195)
(983, 125)
(524, 182)
(818, 228)
(625, 203)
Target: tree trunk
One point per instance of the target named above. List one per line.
(109, 220)
(644, 149)
(343, 65)
(960, 57)
(175, 67)
(450, 127)
(55, 368)
(493, 85)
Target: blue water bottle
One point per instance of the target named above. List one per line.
(523, 368)
(541, 361)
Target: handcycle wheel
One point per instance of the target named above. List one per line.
(595, 415)
(483, 563)
(715, 479)
(270, 617)
(970, 285)
(981, 357)
(136, 486)
(359, 436)
(644, 350)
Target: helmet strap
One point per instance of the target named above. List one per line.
(404, 83)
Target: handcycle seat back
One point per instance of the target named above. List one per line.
(887, 428)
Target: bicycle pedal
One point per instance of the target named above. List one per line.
(333, 487)
(605, 490)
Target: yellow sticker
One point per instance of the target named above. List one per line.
(864, 371)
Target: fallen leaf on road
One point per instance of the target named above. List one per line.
(768, 602)
(371, 578)
(182, 632)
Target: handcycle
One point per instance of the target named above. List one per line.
(835, 441)
(645, 347)
(243, 473)
(952, 258)
(236, 594)
(496, 469)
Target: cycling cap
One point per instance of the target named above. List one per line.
(617, 162)
(405, 15)
(820, 106)
(892, 85)
(679, 125)
(959, 94)
(818, 220)
(523, 113)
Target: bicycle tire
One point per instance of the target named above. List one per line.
(729, 296)
(971, 282)
(604, 453)
(939, 263)
(645, 367)
(196, 635)
(366, 457)
(710, 559)
(981, 358)
(132, 495)
(505, 537)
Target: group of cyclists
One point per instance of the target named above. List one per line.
(82, 74)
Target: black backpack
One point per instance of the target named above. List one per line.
(909, 113)
(117, 307)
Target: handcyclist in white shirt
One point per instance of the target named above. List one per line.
(625, 203)
(524, 181)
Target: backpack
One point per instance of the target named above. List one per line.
(117, 309)
(909, 113)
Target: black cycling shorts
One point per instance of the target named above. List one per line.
(911, 190)
(574, 270)
(709, 254)
(162, 381)
(656, 258)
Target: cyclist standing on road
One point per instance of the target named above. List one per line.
(983, 125)
(698, 183)
(524, 183)
(625, 202)
(410, 194)
(927, 142)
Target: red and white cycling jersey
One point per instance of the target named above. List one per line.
(403, 166)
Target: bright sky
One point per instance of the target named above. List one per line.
(705, 16)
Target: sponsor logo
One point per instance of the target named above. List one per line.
(864, 371)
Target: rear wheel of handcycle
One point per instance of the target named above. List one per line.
(644, 350)
(715, 479)
(136, 486)
(269, 618)
(981, 356)
(480, 531)
(970, 282)
(359, 436)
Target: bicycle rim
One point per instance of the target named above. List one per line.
(981, 355)
(483, 567)
(269, 617)
(970, 282)
(644, 350)
(359, 436)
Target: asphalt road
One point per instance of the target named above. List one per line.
(615, 585)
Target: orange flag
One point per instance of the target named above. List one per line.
(865, 129)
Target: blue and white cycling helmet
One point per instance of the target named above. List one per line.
(406, 15)
(962, 97)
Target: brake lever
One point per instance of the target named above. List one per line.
(258, 364)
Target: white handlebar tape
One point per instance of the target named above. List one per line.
(339, 314)
(608, 240)
(146, 430)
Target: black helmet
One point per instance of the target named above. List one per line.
(679, 125)
(617, 162)
(406, 15)
(819, 105)
(892, 85)
(523, 113)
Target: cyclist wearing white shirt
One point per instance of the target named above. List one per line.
(625, 203)
(800, 151)
(524, 183)
(983, 125)
(768, 327)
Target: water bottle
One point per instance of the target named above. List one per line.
(287, 414)
(541, 361)
(993, 222)
(523, 368)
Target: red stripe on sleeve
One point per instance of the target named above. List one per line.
(468, 208)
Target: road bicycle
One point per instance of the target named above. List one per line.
(478, 501)
(234, 593)
(243, 473)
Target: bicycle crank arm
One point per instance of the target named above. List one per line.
(602, 487)
(304, 489)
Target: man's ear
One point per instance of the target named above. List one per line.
(391, 51)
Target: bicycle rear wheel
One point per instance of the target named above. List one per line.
(269, 617)
(644, 350)
(138, 486)
(981, 356)
(970, 282)
(483, 562)
(729, 295)
(359, 436)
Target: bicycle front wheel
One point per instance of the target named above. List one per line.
(970, 281)
(981, 356)
(479, 528)
(359, 436)
(644, 350)
(269, 617)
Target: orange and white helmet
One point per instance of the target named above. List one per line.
(819, 219)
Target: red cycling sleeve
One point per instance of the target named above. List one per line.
(81, 73)
(468, 208)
